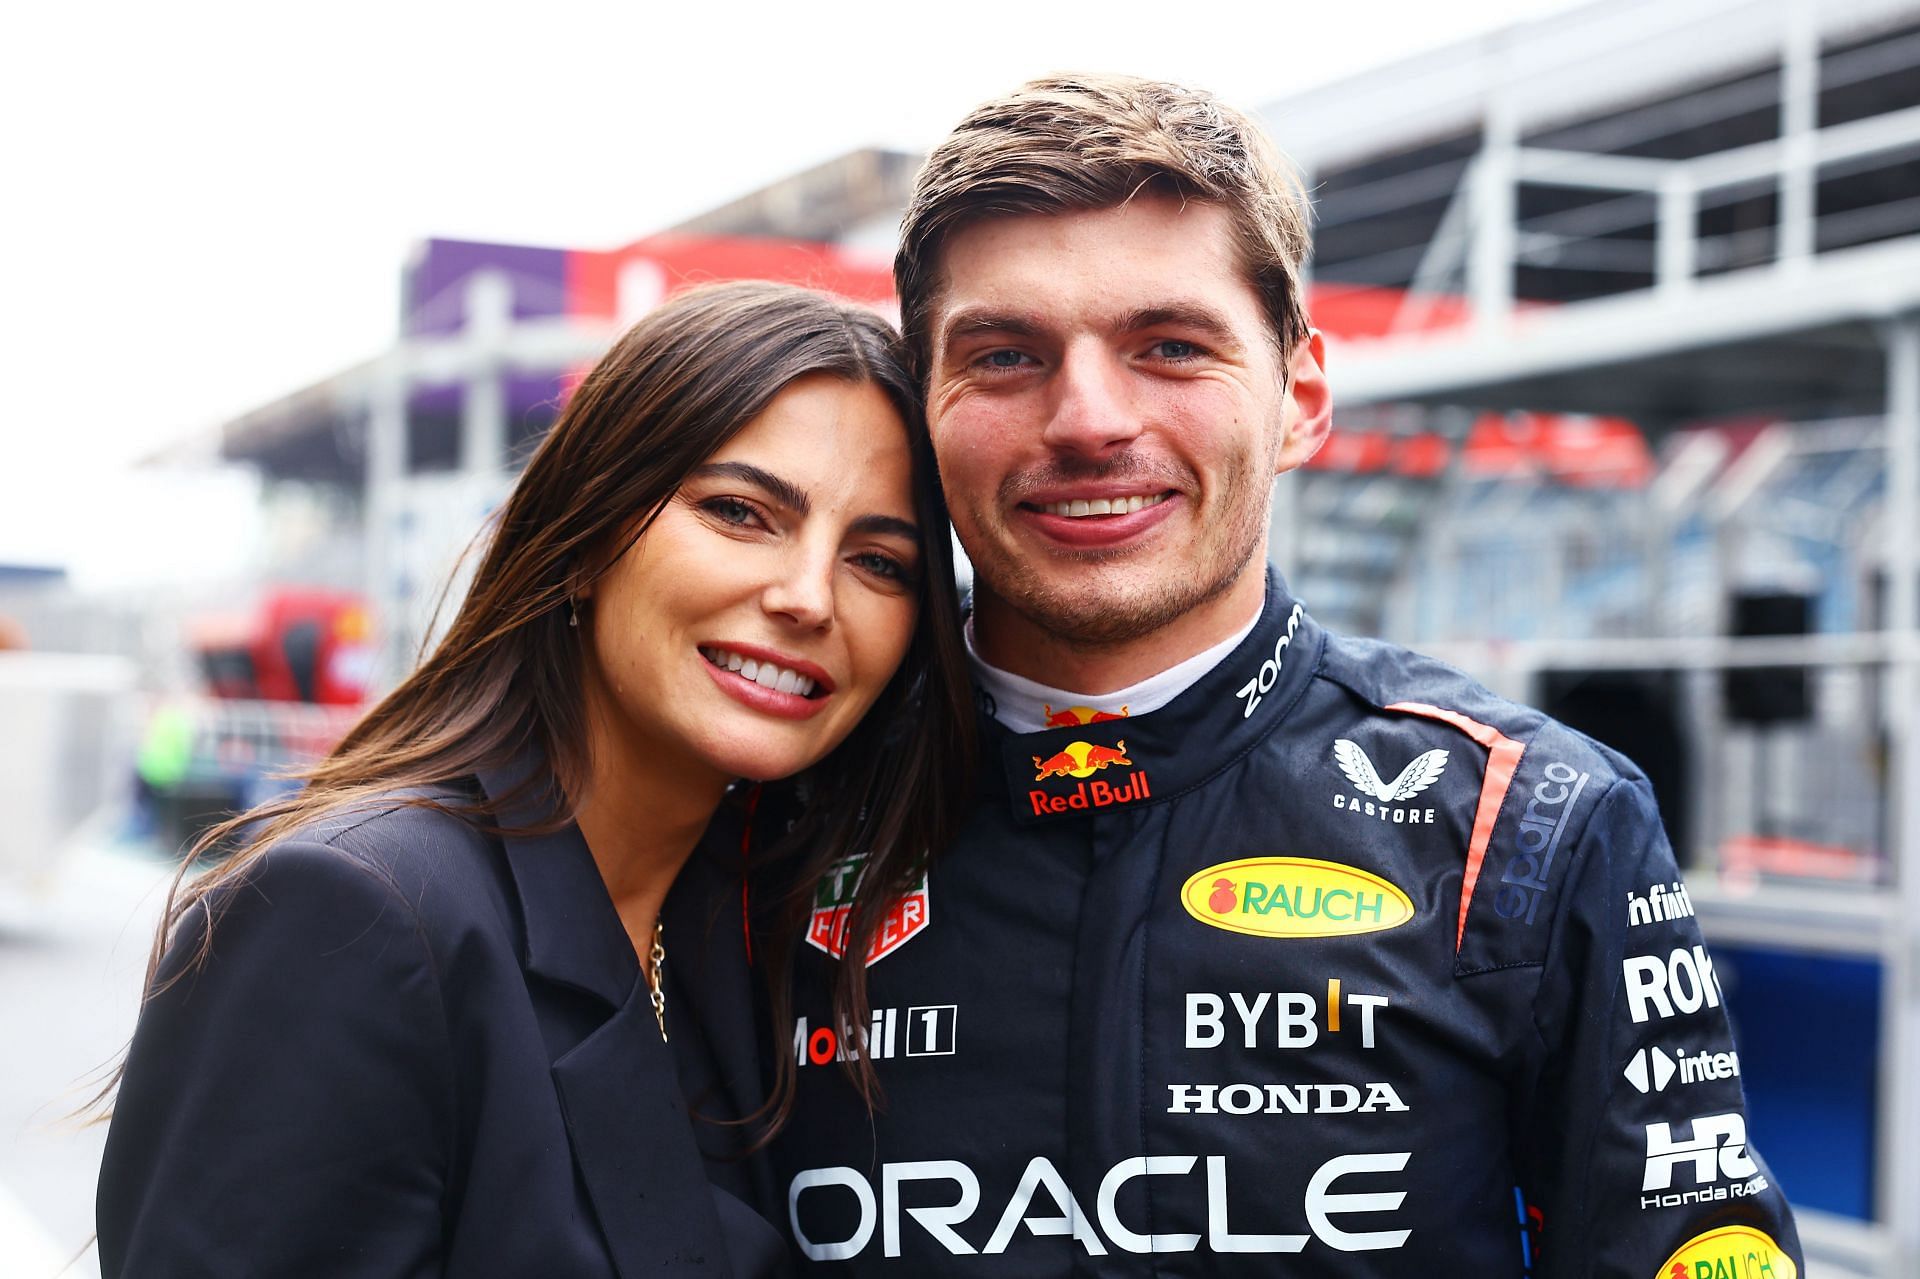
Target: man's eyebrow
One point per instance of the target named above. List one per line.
(977, 320)
(782, 491)
(982, 320)
(1184, 315)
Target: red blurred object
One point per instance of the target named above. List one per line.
(298, 645)
(682, 261)
(1591, 452)
(1747, 859)
(1364, 311)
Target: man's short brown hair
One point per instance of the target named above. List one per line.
(1067, 143)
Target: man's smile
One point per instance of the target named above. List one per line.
(1080, 523)
(1079, 508)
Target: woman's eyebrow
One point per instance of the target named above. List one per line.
(785, 492)
(795, 499)
(887, 524)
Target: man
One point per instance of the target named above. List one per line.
(1267, 951)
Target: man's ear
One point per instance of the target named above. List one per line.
(1309, 407)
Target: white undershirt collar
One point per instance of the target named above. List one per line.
(1023, 705)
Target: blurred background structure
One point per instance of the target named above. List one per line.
(1711, 229)
(1623, 308)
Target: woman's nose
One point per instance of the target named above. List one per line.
(803, 592)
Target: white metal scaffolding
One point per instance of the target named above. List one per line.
(1807, 330)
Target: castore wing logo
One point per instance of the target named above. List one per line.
(1423, 772)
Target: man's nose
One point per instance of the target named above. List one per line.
(1094, 412)
(802, 592)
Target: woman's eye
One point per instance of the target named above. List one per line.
(883, 565)
(730, 510)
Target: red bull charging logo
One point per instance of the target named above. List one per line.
(1081, 760)
(1075, 716)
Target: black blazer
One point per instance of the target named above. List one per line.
(420, 1050)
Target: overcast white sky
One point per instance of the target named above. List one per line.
(209, 203)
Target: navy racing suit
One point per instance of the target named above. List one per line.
(1335, 965)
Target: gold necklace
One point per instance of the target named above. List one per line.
(655, 958)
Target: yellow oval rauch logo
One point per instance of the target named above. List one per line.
(1294, 897)
(1731, 1252)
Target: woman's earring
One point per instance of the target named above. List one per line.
(573, 614)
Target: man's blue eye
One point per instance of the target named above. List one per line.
(1005, 359)
(1176, 350)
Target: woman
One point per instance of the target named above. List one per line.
(417, 1023)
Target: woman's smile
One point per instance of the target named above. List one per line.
(786, 687)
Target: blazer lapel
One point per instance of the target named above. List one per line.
(628, 1126)
(573, 934)
(713, 1014)
(634, 1143)
(710, 987)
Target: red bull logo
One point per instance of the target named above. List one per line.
(1080, 760)
(1075, 716)
(833, 904)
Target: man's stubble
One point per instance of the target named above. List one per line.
(1103, 611)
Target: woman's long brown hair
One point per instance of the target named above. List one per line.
(507, 678)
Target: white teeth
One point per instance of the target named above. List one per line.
(765, 674)
(1104, 505)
